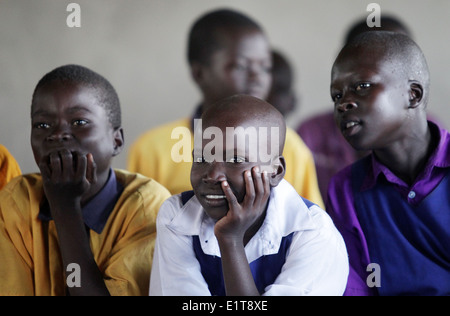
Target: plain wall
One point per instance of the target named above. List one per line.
(140, 46)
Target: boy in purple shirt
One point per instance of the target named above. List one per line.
(392, 207)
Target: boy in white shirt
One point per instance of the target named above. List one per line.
(244, 230)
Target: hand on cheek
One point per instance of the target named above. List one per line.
(241, 216)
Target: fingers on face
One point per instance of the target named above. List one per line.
(258, 186)
(257, 189)
(231, 198)
(66, 165)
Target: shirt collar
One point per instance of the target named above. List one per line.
(96, 212)
(440, 159)
(286, 213)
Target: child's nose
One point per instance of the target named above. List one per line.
(215, 173)
(346, 105)
(59, 134)
(256, 71)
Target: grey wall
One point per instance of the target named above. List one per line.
(139, 45)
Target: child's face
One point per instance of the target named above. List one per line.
(242, 66)
(370, 98)
(208, 174)
(68, 116)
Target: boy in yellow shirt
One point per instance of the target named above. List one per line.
(78, 220)
(228, 54)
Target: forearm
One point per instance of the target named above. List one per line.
(236, 270)
(75, 248)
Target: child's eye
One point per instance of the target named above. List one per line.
(240, 66)
(236, 159)
(336, 97)
(79, 122)
(41, 125)
(363, 86)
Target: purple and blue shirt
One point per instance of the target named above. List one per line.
(404, 229)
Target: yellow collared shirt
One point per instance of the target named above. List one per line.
(30, 258)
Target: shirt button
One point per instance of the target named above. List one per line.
(412, 194)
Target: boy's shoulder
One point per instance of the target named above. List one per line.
(4, 153)
(182, 214)
(289, 211)
(346, 173)
(139, 185)
(23, 184)
(21, 198)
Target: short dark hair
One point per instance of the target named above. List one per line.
(106, 94)
(203, 37)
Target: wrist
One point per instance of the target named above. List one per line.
(230, 241)
(65, 210)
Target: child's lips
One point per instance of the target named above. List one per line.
(350, 127)
(215, 196)
(215, 199)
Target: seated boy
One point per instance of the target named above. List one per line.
(392, 207)
(228, 53)
(9, 168)
(330, 150)
(244, 230)
(78, 227)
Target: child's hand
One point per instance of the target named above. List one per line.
(241, 217)
(67, 176)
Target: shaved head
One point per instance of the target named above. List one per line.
(400, 50)
(245, 111)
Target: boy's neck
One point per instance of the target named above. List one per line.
(408, 158)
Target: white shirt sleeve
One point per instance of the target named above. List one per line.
(316, 263)
(175, 269)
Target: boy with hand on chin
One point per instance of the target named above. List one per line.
(78, 210)
(392, 207)
(244, 230)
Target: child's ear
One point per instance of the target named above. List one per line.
(279, 169)
(197, 72)
(118, 141)
(415, 94)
